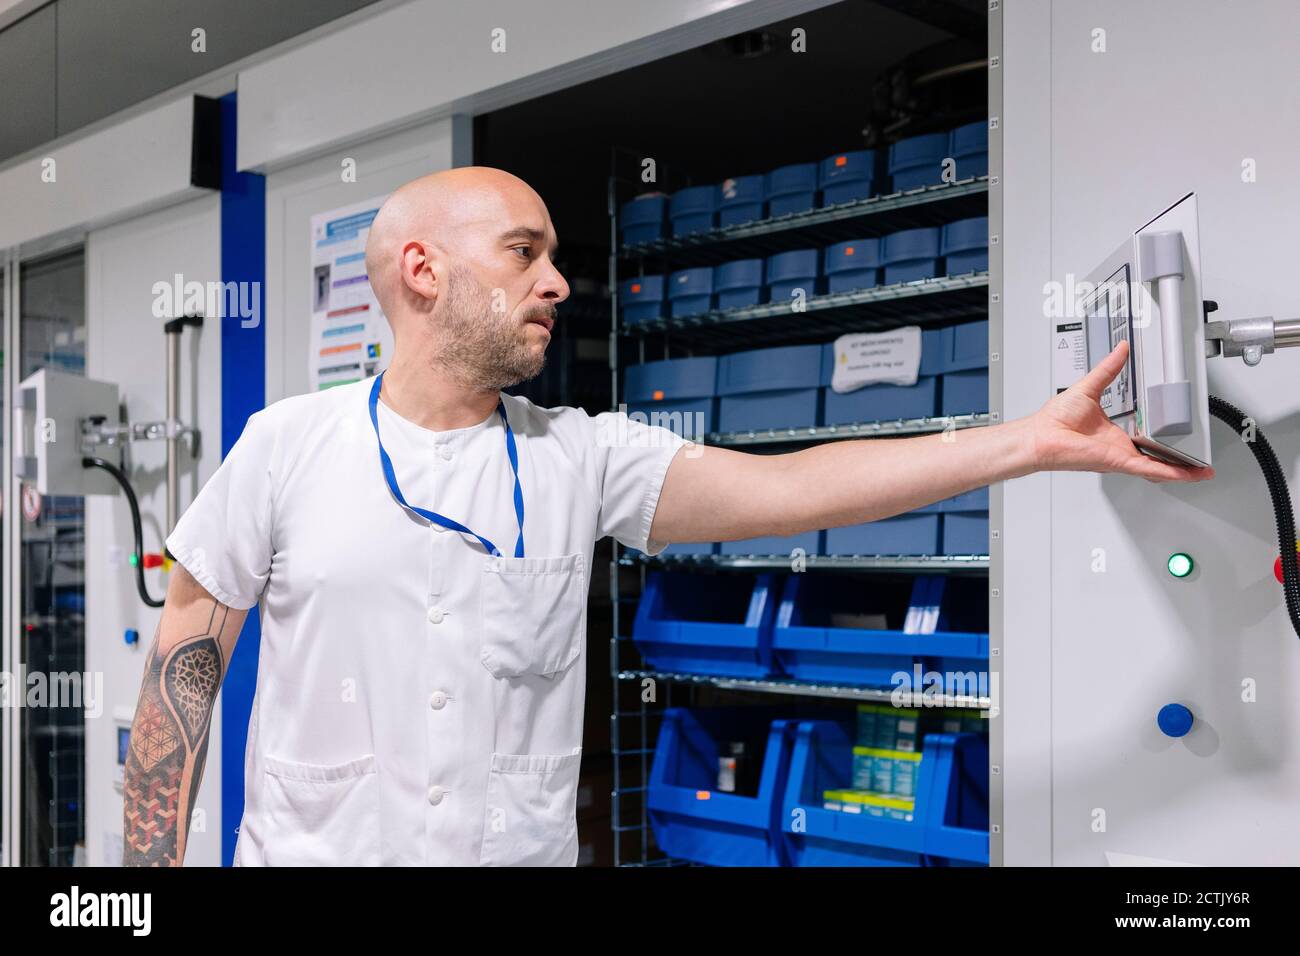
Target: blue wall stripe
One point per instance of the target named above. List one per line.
(243, 392)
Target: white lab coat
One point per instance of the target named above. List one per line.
(418, 702)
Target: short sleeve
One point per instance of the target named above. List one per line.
(635, 459)
(224, 538)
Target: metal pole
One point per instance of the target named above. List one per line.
(173, 335)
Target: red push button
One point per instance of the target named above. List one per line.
(1277, 565)
(153, 560)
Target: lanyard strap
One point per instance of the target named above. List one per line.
(433, 516)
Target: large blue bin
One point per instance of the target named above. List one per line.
(675, 393)
(692, 209)
(949, 825)
(643, 219)
(965, 246)
(738, 284)
(691, 819)
(792, 189)
(740, 199)
(809, 542)
(910, 254)
(848, 177)
(873, 403)
(966, 532)
(969, 147)
(787, 271)
(965, 383)
(918, 161)
(813, 639)
(769, 388)
(854, 264)
(641, 299)
(914, 533)
(720, 625)
(690, 291)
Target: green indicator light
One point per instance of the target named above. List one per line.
(1180, 565)
(132, 560)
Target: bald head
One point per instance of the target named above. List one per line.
(448, 209)
(461, 261)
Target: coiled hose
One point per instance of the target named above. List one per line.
(136, 525)
(1275, 478)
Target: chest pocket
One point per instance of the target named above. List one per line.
(531, 614)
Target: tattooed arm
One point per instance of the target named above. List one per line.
(169, 737)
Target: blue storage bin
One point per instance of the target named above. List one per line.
(853, 265)
(691, 819)
(769, 388)
(812, 639)
(690, 291)
(787, 271)
(676, 394)
(695, 549)
(641, 299)
(643, 219)
(971, 138)
(965, 245)
(721, 627)
(911, 254)
(846, 177)
(965, 393)
(950, 818)
(977, 500)
(692, 209)
(740, 199)
(738, 284)
(969, 147)
(912, 534)
(965, 383)
(809, 542)
(873, 403)
(966, 532)
(918, 161)
(966, 346)
(792, 189)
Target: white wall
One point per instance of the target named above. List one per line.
(296, 194)
(429, 58)
(125, 344)
(122, 170)
(1186, 90)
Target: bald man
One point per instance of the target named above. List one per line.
(420, 544)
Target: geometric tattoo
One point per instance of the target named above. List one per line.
(168, 745)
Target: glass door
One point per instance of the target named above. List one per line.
(52, 598)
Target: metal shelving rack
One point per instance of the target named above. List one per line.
(640, 694)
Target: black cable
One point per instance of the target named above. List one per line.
(136, 526)
(1275, 477)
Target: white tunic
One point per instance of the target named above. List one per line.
(418, 701)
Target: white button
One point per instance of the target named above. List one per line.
(438, 700)
(445, 452)
(436, 793)
(436, 614)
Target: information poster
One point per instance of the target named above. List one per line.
(350, 337)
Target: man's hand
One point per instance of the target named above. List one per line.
(1072, 433)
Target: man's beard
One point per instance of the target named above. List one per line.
(481, 347)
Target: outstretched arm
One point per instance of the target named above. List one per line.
(724, 495)
(169, 736)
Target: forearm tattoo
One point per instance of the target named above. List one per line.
(169, 744)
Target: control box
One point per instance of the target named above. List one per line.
(1148, 292)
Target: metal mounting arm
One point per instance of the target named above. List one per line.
(1251, 339)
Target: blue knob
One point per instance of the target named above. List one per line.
(1174, 720)
(132, 636)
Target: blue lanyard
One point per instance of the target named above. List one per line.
(433, 516)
